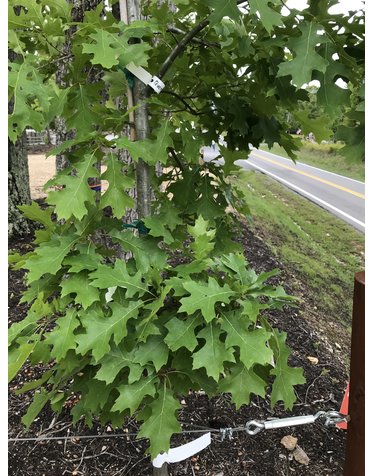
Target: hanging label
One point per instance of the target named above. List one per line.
(156, 84)
(153, 81)
(139, 73)
(182, 452)
(344, 408)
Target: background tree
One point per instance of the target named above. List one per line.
(18, 187)
(130, 337)
(18, 179)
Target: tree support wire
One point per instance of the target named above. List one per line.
(355, 444)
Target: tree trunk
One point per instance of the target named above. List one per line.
(18, 187)
(142, 127)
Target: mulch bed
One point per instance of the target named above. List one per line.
(258, 455)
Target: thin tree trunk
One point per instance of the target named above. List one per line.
(142, 127)
(18, 187)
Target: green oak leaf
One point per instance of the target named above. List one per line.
(147, 326)
(131, 396)
(30, 15)
(79, 284)
(268, 16)
(26, 326)
(86, 259)
(204, 297)
(223, 8)
(252, 343)
(145, 249)
(26, 86)
(35, 213)
(354, 150)
(106, 277)
(181, 333)
(207, 205)
(117, 359)
(48, 257)
(83, 115)
(17, 357)
(158, 228)
(330, 95)
(57, 104)
(40, 400)
(251, 309)
(241, 382)
(100, 329)
(153, 350)
(62, 337)
(321, 127)
(95, 394)
(213, 354)
(72, 199)
(110, 49)
(306, 57)
(230, 156)
(285, 377)
(203, 238)
(151, 151)
(236, 262)
(162, 423)
(115, 196)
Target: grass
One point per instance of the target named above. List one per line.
(323, 156)
(317, 248)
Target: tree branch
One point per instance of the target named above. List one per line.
(180, 98)
(178, 31)
(180, 47)
(176, 158)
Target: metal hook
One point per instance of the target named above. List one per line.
(253, 427)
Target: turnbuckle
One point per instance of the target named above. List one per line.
(330, 418)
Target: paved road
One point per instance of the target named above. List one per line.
(342, 196)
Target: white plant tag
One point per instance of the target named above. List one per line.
(182, 452)
(139, 73)
(156, 84)
(109, 294)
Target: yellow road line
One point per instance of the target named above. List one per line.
(331, 184)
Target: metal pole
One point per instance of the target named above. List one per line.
(355, 451)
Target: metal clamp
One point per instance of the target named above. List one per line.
(331, 418)
(226, 432)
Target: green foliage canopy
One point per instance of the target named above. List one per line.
(168, 327)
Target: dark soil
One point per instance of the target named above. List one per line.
(245, 455)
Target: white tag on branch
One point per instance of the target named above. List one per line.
(156, 84)
(153, 81)
(139, 73)
(182, 452)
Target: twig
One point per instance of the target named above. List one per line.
(187, 105)
(173, 29)
(176, 158)
(81, 459)
(312, 383)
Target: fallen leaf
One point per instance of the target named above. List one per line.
(313, 360)
(300, 456)
(289, 442)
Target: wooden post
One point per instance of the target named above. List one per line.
(163, 471)
(355, 449)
